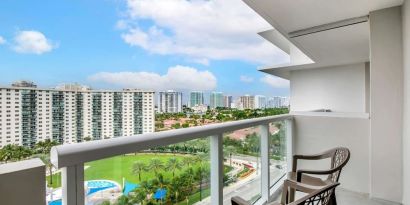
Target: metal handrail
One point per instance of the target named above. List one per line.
(72, 154)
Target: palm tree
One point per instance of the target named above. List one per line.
(138, 167)
(187, 161)
(156, 165)
(13, 152)
(174, 188)
(230, 150)
(7, 153)
(44, 147)
(46, 160)
(172, 165)
(161, 183)
(22, 152)
(189, 181)
(202, 172)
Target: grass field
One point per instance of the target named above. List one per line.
(116, 168)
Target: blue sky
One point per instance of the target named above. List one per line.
(149, 44)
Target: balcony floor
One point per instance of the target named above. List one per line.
(345, 197)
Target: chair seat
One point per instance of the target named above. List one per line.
(312, 182)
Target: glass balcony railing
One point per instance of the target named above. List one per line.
(199, 165)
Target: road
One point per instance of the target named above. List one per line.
(249, 187)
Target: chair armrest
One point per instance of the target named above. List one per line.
(236, 200)
(323, 155)
(314, 172)
(293, 185)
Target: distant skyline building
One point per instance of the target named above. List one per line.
(248, 101)
(73, 86)
(29, 115)
(277, 102)
(169, 102)
(228, 101)
(216, 99)
(196, 98)
(260, 102)
(24, 84)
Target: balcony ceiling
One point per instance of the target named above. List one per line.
(288, 16)
(329, 47)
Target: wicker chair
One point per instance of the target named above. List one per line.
(316, 197)
(339, 158)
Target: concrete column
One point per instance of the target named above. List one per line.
(386, 104)
(406, 111)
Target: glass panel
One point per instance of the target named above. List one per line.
(277, 151)
(53, 190)
(174, 174)
(242, 164)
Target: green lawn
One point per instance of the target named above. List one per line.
(116, 168)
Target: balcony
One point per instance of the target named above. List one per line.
(350, 58)
(301, 136)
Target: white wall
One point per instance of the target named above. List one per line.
(317, 134)
(340, 88)
(386, 103)
(406, 112)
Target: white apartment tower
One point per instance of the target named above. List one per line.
(228, 101)
(260, 102)
(247, 101)
(170, 102)
(29, 114)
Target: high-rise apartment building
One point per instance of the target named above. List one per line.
(170, 102)
(248, 102)
(29, 115)
(196, 98)
(228, 101)
(260, 102)
(277, 102)
(216, 99)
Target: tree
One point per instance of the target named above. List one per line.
(138, 167)
(172, 165)
(123, 200)
(175, 189)
(156, 165)
(188, 177)
(230, 150)
(187, 161)
(44, 147)
(13, 152)
(46, 160)
(87, 139)
(161, 183)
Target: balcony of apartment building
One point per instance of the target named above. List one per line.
(348, 71)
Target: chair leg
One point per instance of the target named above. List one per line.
(333, 199)
(291, 195)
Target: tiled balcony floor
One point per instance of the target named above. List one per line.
(345, 197)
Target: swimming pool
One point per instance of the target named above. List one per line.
(93, 187)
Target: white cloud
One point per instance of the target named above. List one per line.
(177, 77)
(246, 79)
(200, 29)
(32, 42)
(275, 82)
(2, 40)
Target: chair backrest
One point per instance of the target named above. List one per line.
(319, 197)
(340, 158)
